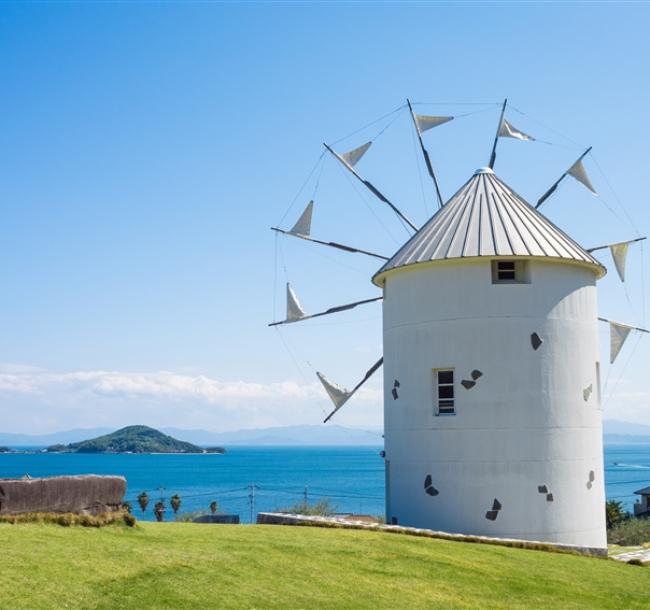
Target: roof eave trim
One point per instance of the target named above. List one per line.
(599, 270)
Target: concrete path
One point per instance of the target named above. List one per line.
(643, 555)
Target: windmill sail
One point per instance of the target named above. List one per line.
(618, 333)
(295, 311)
(507, 130)
(303, 225)
(425, 122)
(577, 171)
(340, 395)
(619, 254)
(337, 394)
(352, 157)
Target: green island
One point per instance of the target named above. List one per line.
(133, 439)
(192, 566)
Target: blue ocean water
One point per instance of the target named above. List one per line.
(352, 477)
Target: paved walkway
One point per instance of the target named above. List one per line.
(643, 555)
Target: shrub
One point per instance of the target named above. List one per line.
(159, 510)
(190, 516)
(631, 532)
(614, 513)
(71, 519)
(323, 507)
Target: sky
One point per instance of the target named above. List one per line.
(148, 148)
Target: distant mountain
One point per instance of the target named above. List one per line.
(614, 426)
(614, 432)
(281, 435)
(286, 435)
(621, 432)
(43, 440)
(132, 439)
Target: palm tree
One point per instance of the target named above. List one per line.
(143, 501)
(614, 513)
(213, 507)
(159, 510)
(175, 502)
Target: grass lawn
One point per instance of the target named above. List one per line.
(184, 565)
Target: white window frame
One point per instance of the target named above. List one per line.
(439, 408)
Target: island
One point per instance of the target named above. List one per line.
(133, 439)
(5, 450)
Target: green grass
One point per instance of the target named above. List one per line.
(192, 566)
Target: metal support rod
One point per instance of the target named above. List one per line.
(332, 244)
(251, 498)
(550, 191)
(367, 376)
(329, 311)
(371, 188)
(642, 330)
(425, 154)
(493, 156)
(629, 241)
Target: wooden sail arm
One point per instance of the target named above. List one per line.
(425, 154)
(349, 394)
(493, 156)
(553, 188)
(371, 187)
(629, 241)
(331, 244)
(329, 311)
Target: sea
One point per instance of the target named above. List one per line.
(248, 480)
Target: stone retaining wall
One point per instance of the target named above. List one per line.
(85, 494)
(316, 521)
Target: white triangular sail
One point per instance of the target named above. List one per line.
(352, 157)
(338, 395)
(577, 170)
(617, 335)
(303, 225)
(424, 121)
(295, 311)
(619, 254)
(506, 130)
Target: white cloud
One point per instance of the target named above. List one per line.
(35, 400)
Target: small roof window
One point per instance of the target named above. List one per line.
(510, 272)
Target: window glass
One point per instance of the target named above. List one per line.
(444, 382)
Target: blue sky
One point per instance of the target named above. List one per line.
(149, 147)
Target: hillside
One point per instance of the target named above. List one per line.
(132, 439)
(190, 566)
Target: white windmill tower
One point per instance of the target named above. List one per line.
(492, 406)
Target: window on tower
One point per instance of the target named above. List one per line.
(509, 272)
(444, 388)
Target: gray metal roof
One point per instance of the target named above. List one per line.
(487, 218)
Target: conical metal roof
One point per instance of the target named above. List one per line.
(487, 218)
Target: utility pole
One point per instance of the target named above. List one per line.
(305, 498)
(251, 499)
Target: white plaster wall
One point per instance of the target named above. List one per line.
(525, 423)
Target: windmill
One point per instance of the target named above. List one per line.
(492, 400)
